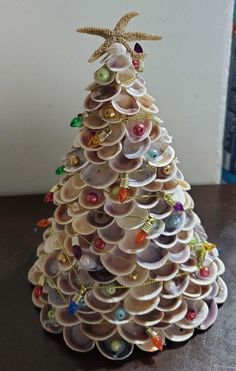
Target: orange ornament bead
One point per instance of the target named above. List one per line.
(140, 237)
(43, 223)
(157, 342)
(122, 194)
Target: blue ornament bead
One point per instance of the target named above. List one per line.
(153, 153)
(73, 307)
(172, 221)
(119, 314)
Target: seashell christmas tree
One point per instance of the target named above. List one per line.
(124, 260)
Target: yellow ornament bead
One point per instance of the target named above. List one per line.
(62, 259)
(73, 160)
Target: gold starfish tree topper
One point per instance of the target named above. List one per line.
(118, 35)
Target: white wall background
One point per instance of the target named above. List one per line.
(44, 70)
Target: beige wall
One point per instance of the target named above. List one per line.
(44, 70)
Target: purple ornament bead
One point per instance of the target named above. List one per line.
(77, 251)
(178, 207)
(138, 48)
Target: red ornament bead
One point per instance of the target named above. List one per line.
(48, 198)
(140, 237)
(135, 64)
(38, 291)
(191, 315)
(139, 129)
(92, 198)
(43, 223)
(204, 271)
(122, 194)
(99, 244)
(157, 342)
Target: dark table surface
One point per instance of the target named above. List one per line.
(25, 346)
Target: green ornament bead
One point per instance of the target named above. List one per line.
(60, 170)
(109, 290)
(51, 314)
(77, 122)
(116, 345)
(103, 74)
(114, 191)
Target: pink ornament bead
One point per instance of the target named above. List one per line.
(139, 129)
(204, 271)
(135, 64)
(191, 315)
(99, 244)
(92, 198)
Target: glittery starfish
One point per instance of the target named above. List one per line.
(118, 35)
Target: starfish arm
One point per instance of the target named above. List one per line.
(134, 36)
(100, 51)
(122, 23)
(103, 32)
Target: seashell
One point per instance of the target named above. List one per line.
(117, 49)
(156, 130)
(61, 216)
(33, 275)
(190, 220)
(102, 276)
(167, 305)
(107, 153)
(97, 331)
(135, 220)
(56, 300)
(200, 280)
(119, 62)
(171, 229)
(165, 241)
(107, 80)
(76, 277)
(136, 89)
(164, 177)
(176, 315)
(149, 319)
(90, 205)
(161, 210)
(146, 199)
(201, 309)
(137, 277)
(220, 266)
(98, 219)
(77, 182)
(143, 176)
(133, 134)
(97, 305)
(93, 157)
(185, 236)
(74, 160)
(51, 267)
(152, 257)
(98, 176)
(105, 93)
(126, 77)
(52, 243)
(146, 103)
(93, 121)
(128, 244)
(50, 325)
(110, 317)
(117, 133)
(174, 288)
(213, 292)
(121, 164)
(109, 114)
(64, 284)
(222, 293)
(104, 348)
(206, 290)
(81, 225)
(133, 333)
(38, 302)
(190, 265)
(68, 193)
(169, 186)
(116, 210)
(135, 150)
(193, 291)
(83, 137)
(90, 104)
(77, 340)
(134, 306)
(177, 334)
(119, 263)
(119, 294)
(94, 317)
(125, 104)
(212, 315)
(146, 292)
(64, 318)
(112, 234)
(167, 138)
(165, 272)
(179, 253)
(165, 154)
